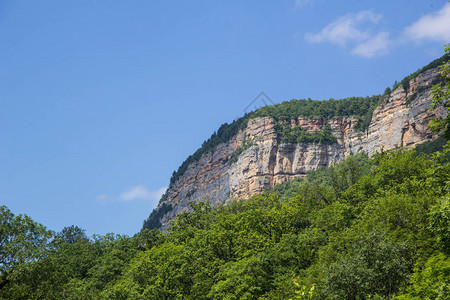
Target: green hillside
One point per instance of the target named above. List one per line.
(367, 228)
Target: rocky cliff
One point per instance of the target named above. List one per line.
(263, 161)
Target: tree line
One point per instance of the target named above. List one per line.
(367, 228)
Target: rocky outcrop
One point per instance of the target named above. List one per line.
(401, 121)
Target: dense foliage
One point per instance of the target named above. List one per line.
(441, 96)
(429, 147)
(153, 221)
(22, 241)
(297, 134)
(367, 228)
(359, 107)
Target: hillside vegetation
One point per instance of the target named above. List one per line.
(367, 228)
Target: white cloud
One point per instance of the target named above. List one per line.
(353, 31)
(376, 45)
(435, 26)
(345, 29)
(141, 193)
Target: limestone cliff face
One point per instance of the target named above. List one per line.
(401, 121)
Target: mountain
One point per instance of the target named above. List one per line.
(278, 143)
(365, 228)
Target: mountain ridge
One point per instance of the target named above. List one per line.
(397, 118)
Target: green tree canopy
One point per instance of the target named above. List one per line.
(22, 241)
(441, 96)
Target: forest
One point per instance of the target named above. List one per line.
(366, 228)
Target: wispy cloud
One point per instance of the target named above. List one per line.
(348, 28)
(102, 198)
(141, 193)
(355, 32)
(376, 45)
(435, 26)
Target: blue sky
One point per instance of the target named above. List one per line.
(101, 100)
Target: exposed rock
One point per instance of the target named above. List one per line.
(398, 122)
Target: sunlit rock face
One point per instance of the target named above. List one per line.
(401, 121)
